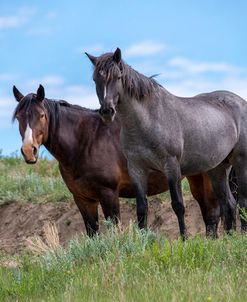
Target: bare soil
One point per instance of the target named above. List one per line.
(20, 221)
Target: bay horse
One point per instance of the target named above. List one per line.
(91, 160)
(174, 135)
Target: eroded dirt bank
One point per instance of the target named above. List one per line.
(20, 221)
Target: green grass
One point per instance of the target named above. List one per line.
(31, 183)
(42, 182)
(132, 266)
(125, 265)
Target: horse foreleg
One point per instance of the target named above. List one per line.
(89, 211)
(220, 183)
(173, 174)
(110, 204)
(138, 178)
(202, 191)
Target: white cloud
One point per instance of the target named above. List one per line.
(7, 106)
(57, 88)
(144, 48)
(193, 86)
(236, 84)
(182, 77)
(48, 80)
(75, 94)
(22, 17)
(201, 67)
(185, 77)
(5, 102)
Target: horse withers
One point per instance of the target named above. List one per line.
(91, 160)
(175, 135)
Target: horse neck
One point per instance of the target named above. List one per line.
(63, 131)
(132, 111)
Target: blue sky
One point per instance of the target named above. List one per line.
(196, 46)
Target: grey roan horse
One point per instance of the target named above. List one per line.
(174, 135)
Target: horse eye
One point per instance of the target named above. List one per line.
(42, 115)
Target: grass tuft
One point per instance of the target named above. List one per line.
(38, 246)
(39, 183)
(131, 265)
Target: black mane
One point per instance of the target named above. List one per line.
(136, 84)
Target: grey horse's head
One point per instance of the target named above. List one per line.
(116, 82)
(108, 80)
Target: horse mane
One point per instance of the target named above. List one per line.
(63, 103)
(137, 85)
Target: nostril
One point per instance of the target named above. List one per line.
(34, 150)
(107, 111)
(104, 111)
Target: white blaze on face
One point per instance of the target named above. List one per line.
(104, 91)
(28, 136)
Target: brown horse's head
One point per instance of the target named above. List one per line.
(33, 122)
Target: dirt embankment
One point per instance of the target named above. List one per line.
(20, 221)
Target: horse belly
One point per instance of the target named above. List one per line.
(208, 140)
(204, 159)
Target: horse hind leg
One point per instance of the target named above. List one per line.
(202, 191)
(233, 182)
(220, 181)
(240, 168)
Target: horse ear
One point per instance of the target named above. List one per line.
(91, 58)
(117, 55)
(18, 95)
(40, 93)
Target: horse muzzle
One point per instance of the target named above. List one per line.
(29, 153)
(107, 114)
